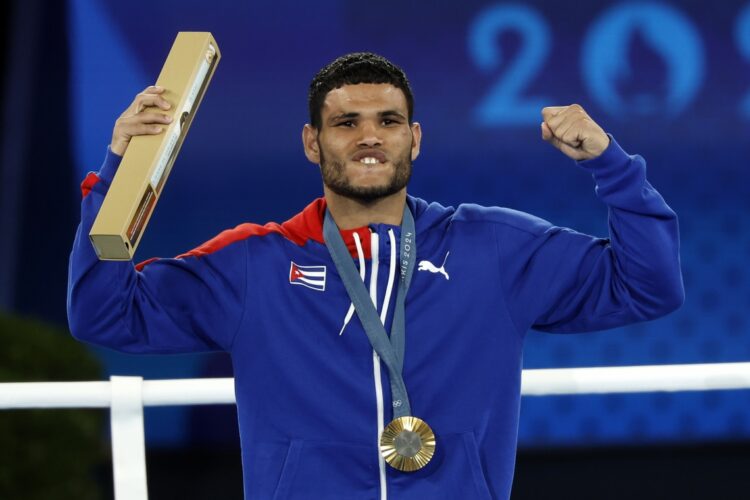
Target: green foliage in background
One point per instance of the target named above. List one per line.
(48, 454)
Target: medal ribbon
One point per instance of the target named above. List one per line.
(391, 351)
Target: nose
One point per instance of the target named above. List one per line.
(370, 136)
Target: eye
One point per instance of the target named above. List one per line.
(391, 122)
(347, 123)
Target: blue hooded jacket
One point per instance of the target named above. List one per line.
(313, 396)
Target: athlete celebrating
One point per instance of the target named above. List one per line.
(381, 375)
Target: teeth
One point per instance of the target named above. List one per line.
(369, 160)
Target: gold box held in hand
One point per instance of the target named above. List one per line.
(144, 169)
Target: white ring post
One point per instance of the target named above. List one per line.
(128, 439)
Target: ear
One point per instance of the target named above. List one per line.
(310, 143)
(416, 139)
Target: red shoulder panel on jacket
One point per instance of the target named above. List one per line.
(306, 225)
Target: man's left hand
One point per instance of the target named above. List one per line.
(571, 130)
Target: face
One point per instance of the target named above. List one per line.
(365, 144)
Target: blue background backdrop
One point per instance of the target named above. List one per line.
(670, 80)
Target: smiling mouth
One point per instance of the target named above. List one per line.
(370, 161)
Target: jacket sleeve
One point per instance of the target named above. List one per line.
(186, 304)
(559, 280)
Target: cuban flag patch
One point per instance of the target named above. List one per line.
(310, 276)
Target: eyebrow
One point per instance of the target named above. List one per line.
(381, 114)
(391, 112)
(343, 116)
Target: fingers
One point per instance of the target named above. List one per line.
(143, 129)
(144, 100)
(572, 152)
(142, 123)
(546, 132)
(136, 121)
(149, 117)
(559, 118)
(147, 123)
(153, 89)
(149, 97)
(562, 122)
(559, 128)
(564, 132)
(550, 111)
(571, 130)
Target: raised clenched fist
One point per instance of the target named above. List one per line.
(571, 130)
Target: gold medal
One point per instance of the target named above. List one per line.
(407, 443)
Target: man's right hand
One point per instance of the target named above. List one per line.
(136, 121)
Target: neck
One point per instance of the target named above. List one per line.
(350, 213)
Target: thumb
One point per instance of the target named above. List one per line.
(569, 151)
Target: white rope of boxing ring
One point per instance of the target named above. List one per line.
(126, 397)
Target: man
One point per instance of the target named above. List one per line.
(315, 382)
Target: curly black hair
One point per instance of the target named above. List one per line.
(351, 69)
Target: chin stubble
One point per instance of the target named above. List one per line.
(334, 177)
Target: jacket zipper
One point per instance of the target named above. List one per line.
(374, 247)
(375, 260)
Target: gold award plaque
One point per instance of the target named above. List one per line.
(140, 178)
